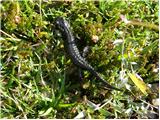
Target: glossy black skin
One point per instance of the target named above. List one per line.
(73, 52)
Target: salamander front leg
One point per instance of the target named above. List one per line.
(84, 55)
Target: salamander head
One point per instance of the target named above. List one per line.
(62, 23)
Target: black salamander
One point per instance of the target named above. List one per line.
(73, 52)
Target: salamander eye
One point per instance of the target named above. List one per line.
(59, 20)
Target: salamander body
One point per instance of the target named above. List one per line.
(73, 52)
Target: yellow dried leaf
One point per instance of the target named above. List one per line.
(139, 83)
